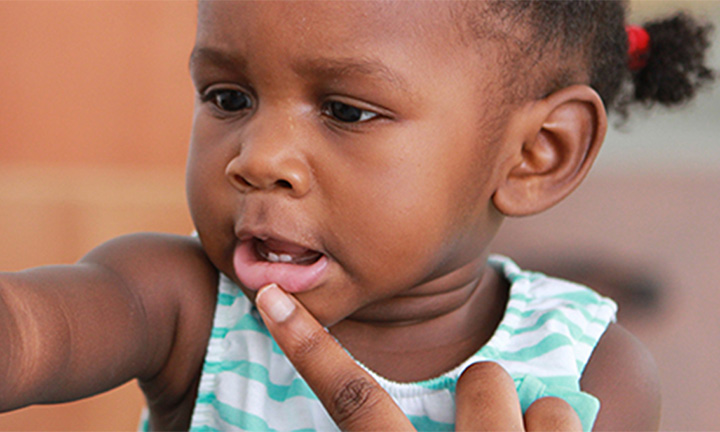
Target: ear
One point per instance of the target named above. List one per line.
(554, 143)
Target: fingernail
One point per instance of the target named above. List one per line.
(275, 303)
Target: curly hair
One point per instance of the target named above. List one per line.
(553, 44)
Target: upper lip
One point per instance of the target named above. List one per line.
(247, 233)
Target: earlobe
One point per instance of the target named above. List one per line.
(558, 140)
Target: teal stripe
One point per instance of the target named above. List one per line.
(222, 332)
(571, 382)
(521, 297)
(219, 332)
(546, 345)
(423, 423)
(597, 320)
(587, 340)
(580, 295)
(528, 276)
(204, 429)
(240, 418)
(205, 398)
(259, 373)
(246, 323)
(584, 297)
(236, 417)
(555, 315)
(512, 310)
(506, 328)
(225, 299)
(276, 348)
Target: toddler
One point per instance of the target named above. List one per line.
(350, 163)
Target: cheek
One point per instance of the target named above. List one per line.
(210, 151)
(197, 179)
(404, 218)
(427, 200)
(206, 189)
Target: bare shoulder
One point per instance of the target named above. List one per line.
(171, 276)
(622, 374)
(149, 262)
(145, 255)
(177, 285)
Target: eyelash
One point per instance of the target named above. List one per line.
(332, 109)
(214, 96)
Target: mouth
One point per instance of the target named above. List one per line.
(295, 268)
(275, 251)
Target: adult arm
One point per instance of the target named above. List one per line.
(622, 374)
(72, 331)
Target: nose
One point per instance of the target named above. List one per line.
(270, 159)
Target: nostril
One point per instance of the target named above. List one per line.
(243, 183)
(284, 184)
(240, 180)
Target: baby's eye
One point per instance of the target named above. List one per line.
(229, 100)
(347, 113)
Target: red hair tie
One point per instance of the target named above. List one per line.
(638, 47)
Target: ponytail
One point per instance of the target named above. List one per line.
(665, 65)
(674, 68)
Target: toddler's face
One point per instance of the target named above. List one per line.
(345, 150)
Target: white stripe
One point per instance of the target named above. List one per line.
(206, 415)
(297, 412)
(236, 347)
(433, 405)
(558, 362)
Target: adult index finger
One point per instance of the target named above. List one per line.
(551, 414)
(351, 396)
(486, 400)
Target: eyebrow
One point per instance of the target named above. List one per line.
(330, 67)
(216, 57)
(351, 66)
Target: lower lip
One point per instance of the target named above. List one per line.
(254, 273)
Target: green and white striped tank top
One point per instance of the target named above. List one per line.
(548, 332)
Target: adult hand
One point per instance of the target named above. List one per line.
(485, 394)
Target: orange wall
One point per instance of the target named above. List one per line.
(95, 82)
(95, 114)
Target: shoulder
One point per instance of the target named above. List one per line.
(176, 285)
(151, 261)
(575, 310)
(622, 374)
(141, 248)
(170, 276)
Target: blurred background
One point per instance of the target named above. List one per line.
(95, 115)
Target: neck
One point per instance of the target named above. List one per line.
(432, 332)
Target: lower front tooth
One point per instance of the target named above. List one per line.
(285, 258)
(273, 257)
